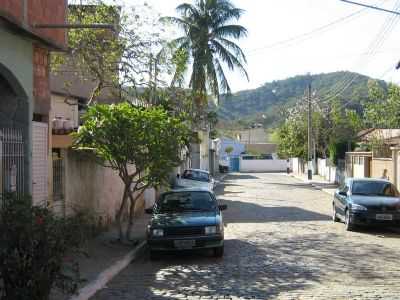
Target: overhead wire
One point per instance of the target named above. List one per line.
(305, 36)
(373, 49)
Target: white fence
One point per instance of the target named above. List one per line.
(262, 165)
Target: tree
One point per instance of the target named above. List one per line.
(382, 109)
(142, 145)
(113, 61)
(206, 45)
(229, 150)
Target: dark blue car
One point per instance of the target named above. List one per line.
(186, 219)
(366, 201)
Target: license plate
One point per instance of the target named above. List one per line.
(184, 244)
(384, 217)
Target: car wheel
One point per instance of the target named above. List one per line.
(219, 251)
(334, 214)
(349, 225)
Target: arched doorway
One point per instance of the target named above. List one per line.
(14, 134)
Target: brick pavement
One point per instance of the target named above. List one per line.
(280, 244)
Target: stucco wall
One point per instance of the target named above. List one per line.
(59, 108)
(16, 55)
(378, 165)
(93, 187)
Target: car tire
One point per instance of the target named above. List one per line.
(347, 221)
(334, 214)
(219, 251)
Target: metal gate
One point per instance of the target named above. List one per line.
(234, 164)
(11, 161)
(40, 163)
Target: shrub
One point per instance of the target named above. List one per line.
(33, 247)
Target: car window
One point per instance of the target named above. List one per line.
(196, 175)
(186, 201)
(374, 188)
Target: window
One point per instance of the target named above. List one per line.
(186, 201)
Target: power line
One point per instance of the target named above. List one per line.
(305, 36)
(372, 7)
(372, 50)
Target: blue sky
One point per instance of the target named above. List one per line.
(343, 46)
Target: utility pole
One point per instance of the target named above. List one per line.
(309, 150)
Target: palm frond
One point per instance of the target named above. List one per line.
(227, 57)
(233, 47)
(235, 31)
(183, 24)
(224, 84)
(187, 9)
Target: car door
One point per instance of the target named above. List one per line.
(341, 198)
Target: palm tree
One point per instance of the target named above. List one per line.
(207, 44)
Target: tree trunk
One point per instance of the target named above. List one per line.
(121, 211)
(132, 213)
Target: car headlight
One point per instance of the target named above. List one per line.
(358, 207)
(211, 229)
(158, 232)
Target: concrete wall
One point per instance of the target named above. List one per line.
(262, 165)
(379, 164)
(93, 187)
(16, 57)
(59, 108)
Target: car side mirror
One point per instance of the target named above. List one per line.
(149, 211)
(342, 193)
(223, 207)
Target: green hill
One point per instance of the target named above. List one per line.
(270, 99)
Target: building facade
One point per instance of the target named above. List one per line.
(24, 91)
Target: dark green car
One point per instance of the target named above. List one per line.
(186, 219)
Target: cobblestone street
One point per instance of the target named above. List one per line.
(280, 244)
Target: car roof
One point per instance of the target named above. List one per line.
(198, 170)
(368, 179)
(189, 189)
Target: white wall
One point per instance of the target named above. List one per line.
(59, 108)
(262, 165)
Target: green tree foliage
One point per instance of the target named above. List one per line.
(291, 138)
(207, 44)
(142, 145)
(113, 60)
(383, 108)
(229, 150)
(332, 126)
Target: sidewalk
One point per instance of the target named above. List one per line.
(105, 257)
(318, 182)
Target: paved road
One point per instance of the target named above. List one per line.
(280, 244)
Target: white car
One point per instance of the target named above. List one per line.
(195, 178)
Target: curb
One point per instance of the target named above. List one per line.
(105, 276)
(314, 185)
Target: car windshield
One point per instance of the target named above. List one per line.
(186, 201)
(374, 188)
(196, 175)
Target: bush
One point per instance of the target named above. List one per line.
(34, 243)
(338, 151)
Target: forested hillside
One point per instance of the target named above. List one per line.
(266, 103)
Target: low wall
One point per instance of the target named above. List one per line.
(94, 188)
(262, 165)
(380, 164)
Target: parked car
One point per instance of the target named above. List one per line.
(186, 219)
(366, 201)
(196, 178)
(224, 165)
